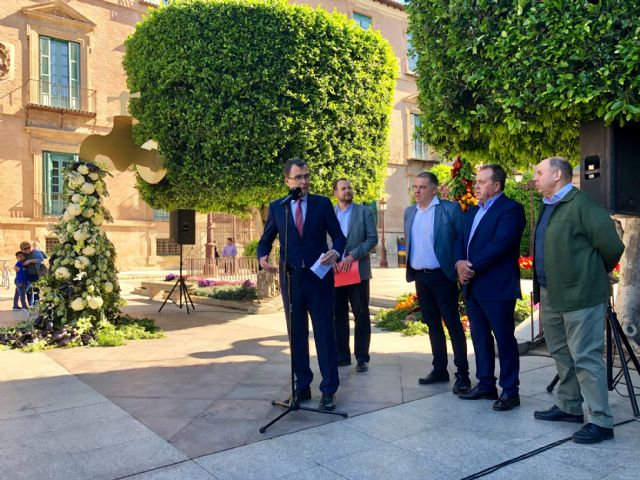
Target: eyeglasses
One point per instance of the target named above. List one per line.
(298, 178)
(26, 248)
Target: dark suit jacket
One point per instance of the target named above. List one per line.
(494, 250)
(448, 223)
(362, 238)
(319, 221)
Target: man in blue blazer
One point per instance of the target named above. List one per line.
(311, 219)
(431, 228)
(358, 225)
(487, 265)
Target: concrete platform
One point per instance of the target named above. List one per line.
(189, 406)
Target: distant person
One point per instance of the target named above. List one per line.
(216, 253)
(576, 245)
(487, 265)
(21, 282)
(33, 262)
(229, 253)
(431, 228)
(359, 227)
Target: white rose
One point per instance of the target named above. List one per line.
(70, 228)
(95, 302)
(88, 212)
(62, 273)
(80, 236)
(66, 216)
(94, 176)
(87, 188)
(75, 198)
(89, 250)
(74, 209)
(78, 304)
(82, 262)
(92, 201)
(91, 289)
(83, 169)
(108, 287)
(76, 181)
(97, 219)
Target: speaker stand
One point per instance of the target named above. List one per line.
(183, 292)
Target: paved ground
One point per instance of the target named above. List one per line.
(189, 407)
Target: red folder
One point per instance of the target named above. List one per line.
(350, 277)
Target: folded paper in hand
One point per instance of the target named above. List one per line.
(350, 277)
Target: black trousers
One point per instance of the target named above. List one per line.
(358, 296)
(438, 299)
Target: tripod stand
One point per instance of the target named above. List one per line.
(183, 291)
(293, 403)
(614, 332)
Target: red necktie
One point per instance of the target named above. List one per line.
(299, 217)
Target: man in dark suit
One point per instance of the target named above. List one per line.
(431, 228)
(487, 264)
(311, 219)
(358, 225)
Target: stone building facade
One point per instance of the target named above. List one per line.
(61, 79)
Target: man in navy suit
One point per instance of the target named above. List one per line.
(311, 219)
(431, 228)
(487, 265)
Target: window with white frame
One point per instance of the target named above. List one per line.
(160, 215)
(59, 73)
(363, 20)
(418, 147)
(53, 169)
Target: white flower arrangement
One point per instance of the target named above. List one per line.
(97, 219)
(107, 287)
(83, 169)
(76, 181)
(94, 176)
(82, 262)
(88, 251)
(75, 198)
(74, 209)
(87, 188)
(95, 302)
(78, 304)
(62, 273)
(88, 212)
(80, 236)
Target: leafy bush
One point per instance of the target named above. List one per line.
(246, 291)
(523, 309)
(250, 249)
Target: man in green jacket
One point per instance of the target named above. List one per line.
(576, 245)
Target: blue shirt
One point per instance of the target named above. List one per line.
(559, 195)
(344, 216)
(294, 208)
(21, 275)
(422, 253)
(482, 211)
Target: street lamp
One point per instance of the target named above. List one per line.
(382, 204)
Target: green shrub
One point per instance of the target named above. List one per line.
(250, 249)
(523, 309)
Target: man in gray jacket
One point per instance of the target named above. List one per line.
(431, 228)
(359, 227)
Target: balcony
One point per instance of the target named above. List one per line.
(60, 98)
(48, 205)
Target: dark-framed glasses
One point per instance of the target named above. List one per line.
(299, 178)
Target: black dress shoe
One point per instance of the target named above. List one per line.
(505, 403)
(299, 396)
(434, 377)
(362, 367)
(592, 433)
(554, 414)
(462, 384)
(327, 402)
(476, 394)
(344, 363)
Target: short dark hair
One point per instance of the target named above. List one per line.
(562, 164)
(429, 176)
(497, 173)
(229, 238)
(335, 182)
(290, 163)
(20, 252)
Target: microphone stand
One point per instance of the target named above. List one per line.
(293, 403)
(183, 291)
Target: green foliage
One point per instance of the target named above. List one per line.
(229, 292)
(415, 328)
(250, 249)
(230, 89)
(510, 81)
(523, 309)
(522, 193)
(442, 173)
(390, 319)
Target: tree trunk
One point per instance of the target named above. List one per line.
(628, 300)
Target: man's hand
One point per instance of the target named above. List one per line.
(264, 263)
(345, 264)
(465, 272)
(329, 258)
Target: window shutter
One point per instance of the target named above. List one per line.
(45, 71)
(74, 75)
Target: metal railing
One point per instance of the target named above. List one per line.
(61, 97)
(232, 269)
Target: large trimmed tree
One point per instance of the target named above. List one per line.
(230, 89)
(511, 81)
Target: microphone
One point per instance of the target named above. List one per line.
(294, 194)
